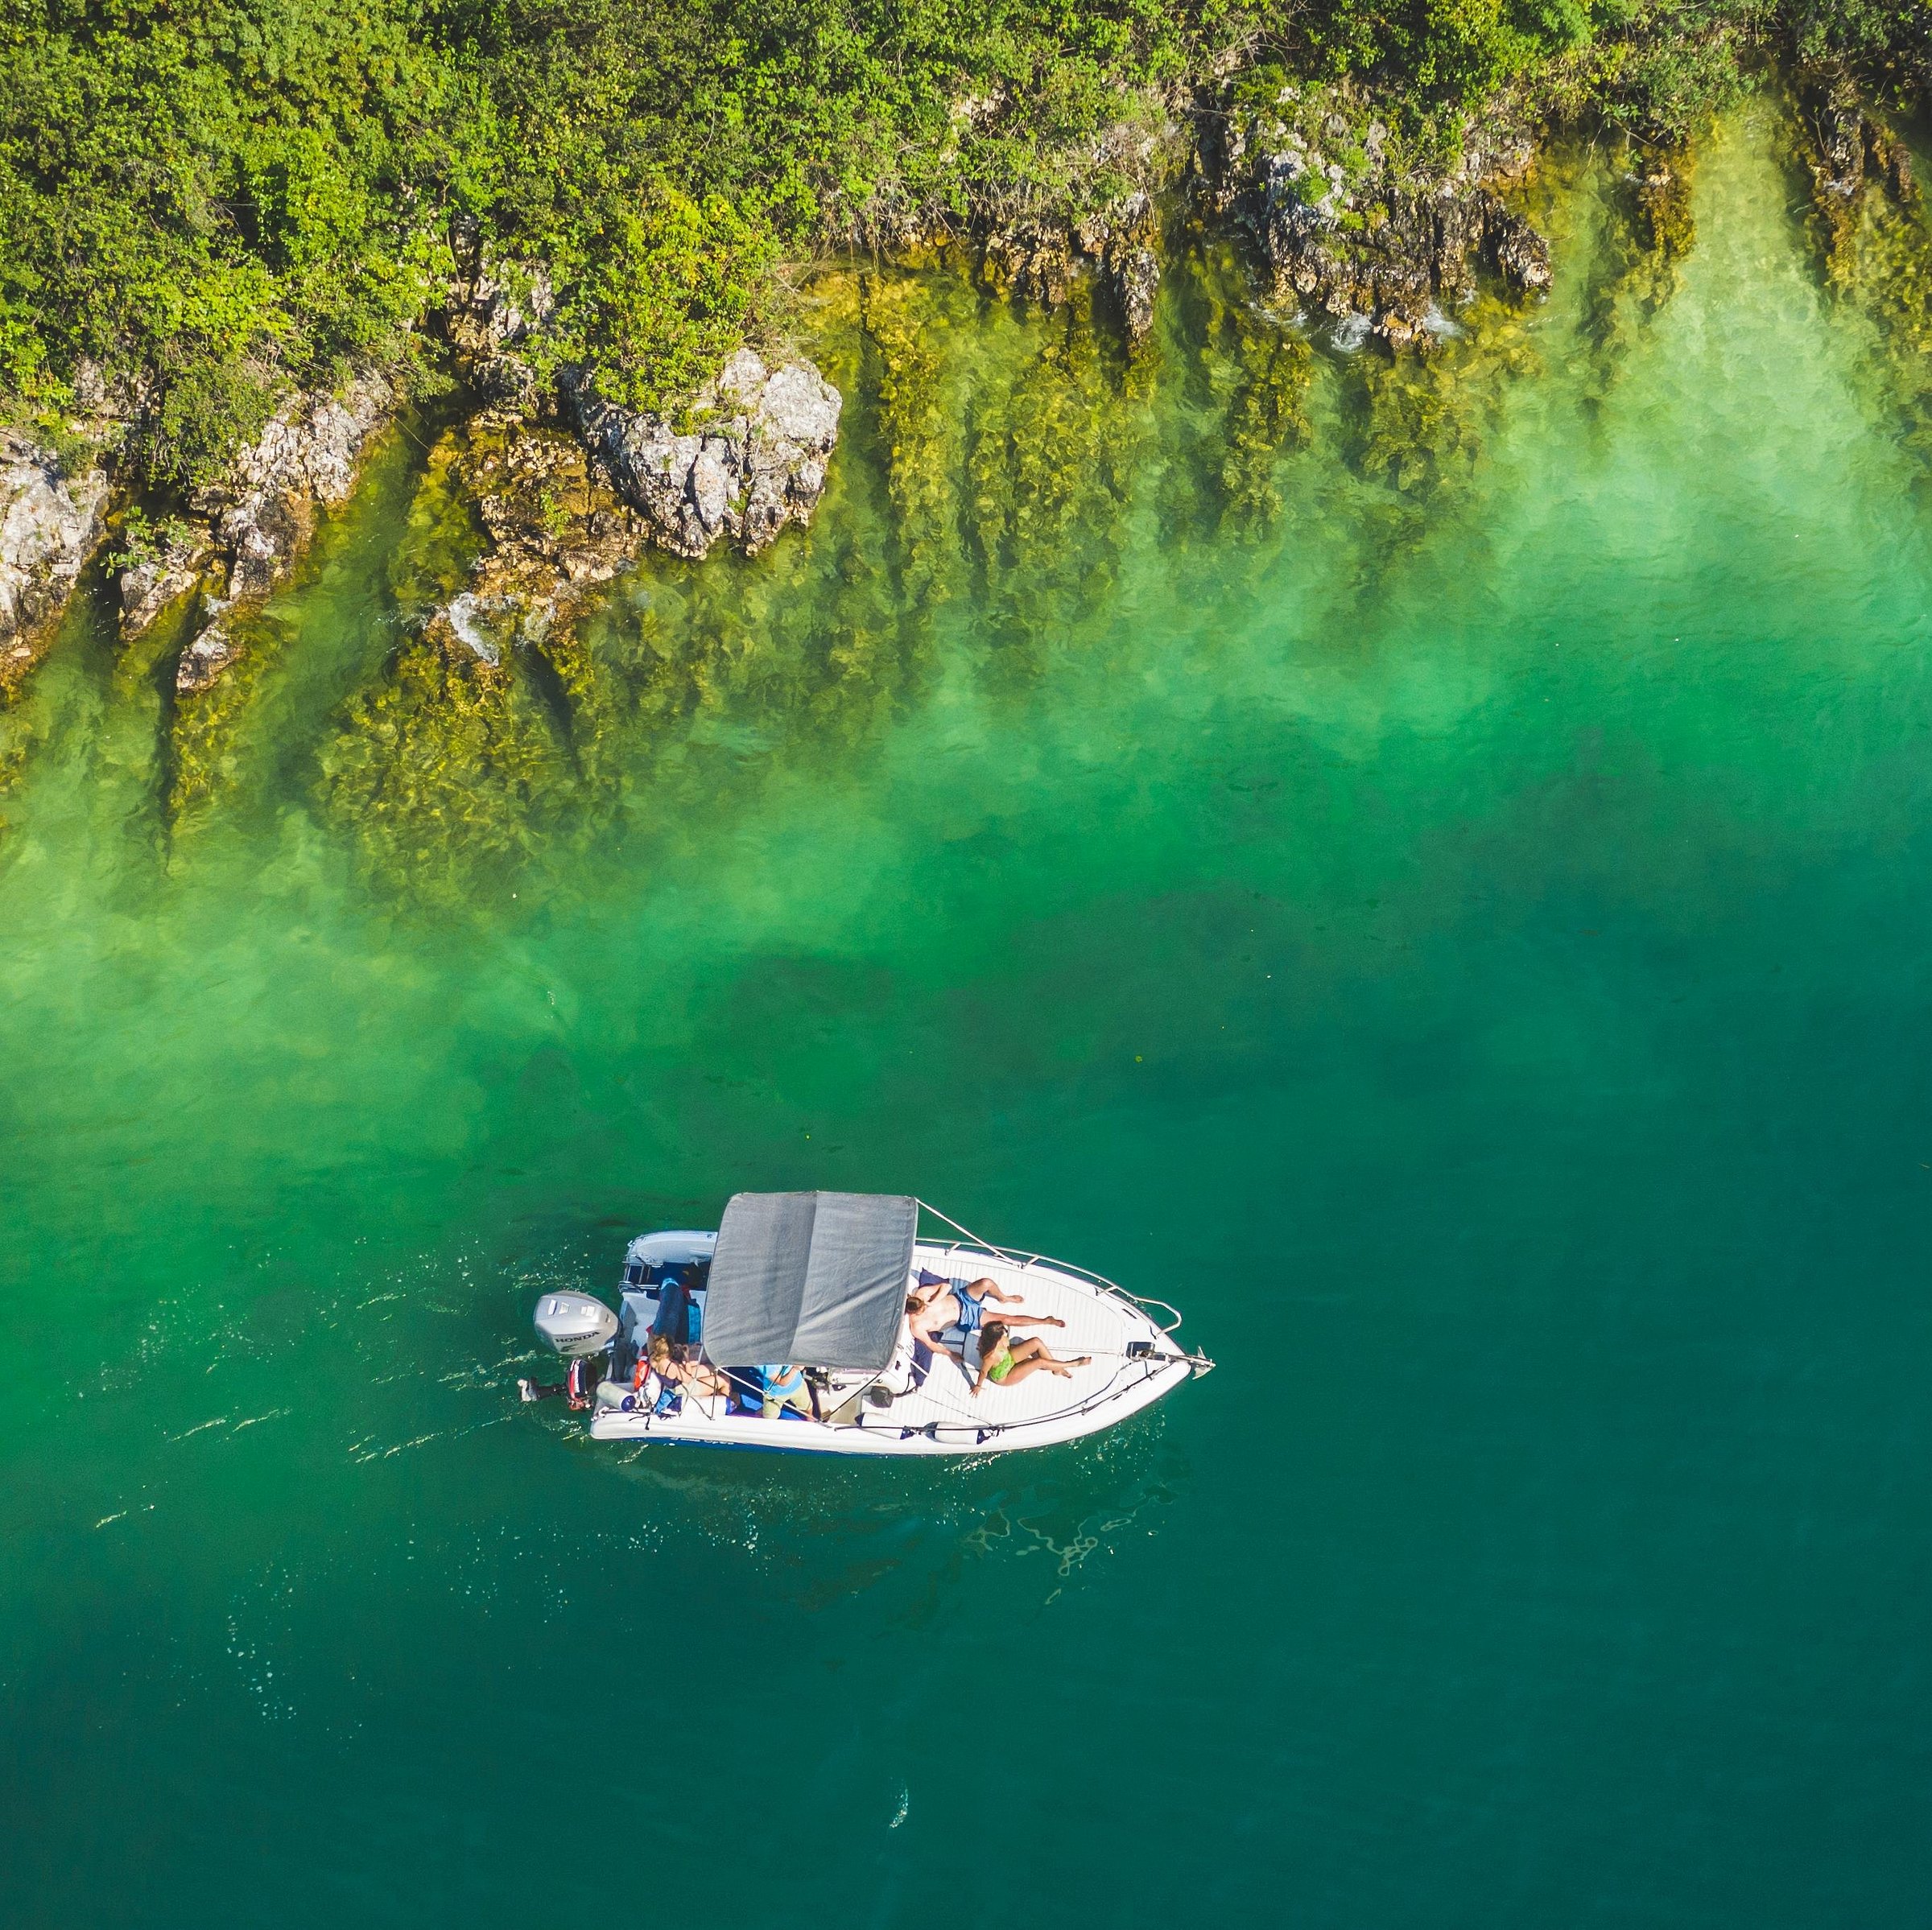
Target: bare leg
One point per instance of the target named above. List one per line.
(1021, 1368)
(1031, 1320)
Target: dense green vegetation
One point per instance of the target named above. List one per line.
(204, 201)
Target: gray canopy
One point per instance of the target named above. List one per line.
(812, 1280)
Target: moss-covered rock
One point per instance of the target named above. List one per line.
(1371, 227)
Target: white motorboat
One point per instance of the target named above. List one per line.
(805, 1295)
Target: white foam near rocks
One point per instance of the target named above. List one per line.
(463, 612)
(1350, 332)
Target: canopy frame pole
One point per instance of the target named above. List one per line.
(1018, 1260)
(1024, 1260)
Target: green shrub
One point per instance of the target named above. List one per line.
(215, 202)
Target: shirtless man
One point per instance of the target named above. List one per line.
(930, 1312)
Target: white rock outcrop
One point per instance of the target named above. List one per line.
(754, 461)
(263, 509)
(49, 524)
(204, 660)
(262, 512)
(149, 586)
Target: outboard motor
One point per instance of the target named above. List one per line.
(575, 1324)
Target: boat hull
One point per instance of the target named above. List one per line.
(1132, 1362)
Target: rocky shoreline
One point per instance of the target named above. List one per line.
(1349, 233)
(249, 530)
(564, 509)
(1360, 238)
(1851, 151)
(49, 524)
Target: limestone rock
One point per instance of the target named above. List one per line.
(556, 528)
(204, 660)
(1520, 255)
(49, 525)
(1032, 261)
(1038, 260)
(1850, 149)
(1135, 276)
(148, 586)
(262, 512)
(753, 460)
(1367, 242)
(494, 307)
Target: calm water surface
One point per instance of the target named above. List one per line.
(1464, 936)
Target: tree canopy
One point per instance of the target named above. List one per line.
(207, 201)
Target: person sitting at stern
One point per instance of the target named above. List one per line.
(673, 1367)
(787, 1387)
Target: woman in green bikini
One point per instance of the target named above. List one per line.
(1004, 1361)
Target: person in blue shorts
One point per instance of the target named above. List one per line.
(948, 1303)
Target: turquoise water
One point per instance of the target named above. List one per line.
(1465, 942)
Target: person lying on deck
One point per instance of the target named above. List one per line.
(787, 1387)
(677, 1371)
(931, 1311)
(1005, 1360)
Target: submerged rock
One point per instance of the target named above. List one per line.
(49, 525)
(754, 461)
(556, 530)
(1850, 149)
(1665, 222)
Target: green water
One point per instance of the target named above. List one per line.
(1462, 933)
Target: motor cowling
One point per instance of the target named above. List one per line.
(574, 1324)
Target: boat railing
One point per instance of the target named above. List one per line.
(1133, 1368)
(1021, 1258)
